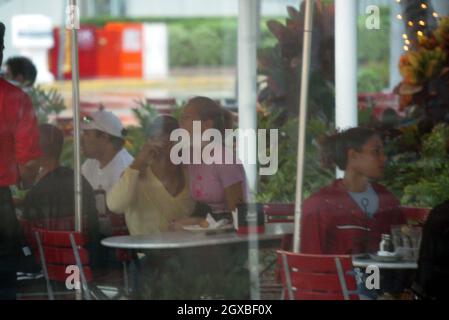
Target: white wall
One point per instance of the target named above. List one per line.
(51, 8)
(135, 8)
(200, 8)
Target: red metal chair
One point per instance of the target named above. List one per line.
(56, 224)
(279, 212)
(317, 277)
(379, 102)
(57, 251)
(276, 213)
(415, 215)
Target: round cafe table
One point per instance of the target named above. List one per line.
(274, 233)
(188, 239)
(364, 261)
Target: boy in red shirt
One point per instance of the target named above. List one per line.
(350, 215)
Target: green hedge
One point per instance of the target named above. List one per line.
(206, 44)
(198, 42)
(374, 54)
(209, 43)
(212, 42)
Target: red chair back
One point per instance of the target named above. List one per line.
(57, 224)
(60, 224)
(118, 224)
(415, 215)
(317, 277)
(59, 253)
(279, 212)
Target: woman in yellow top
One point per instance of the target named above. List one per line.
(153, 191)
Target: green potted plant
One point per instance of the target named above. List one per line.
(279, 66)
(421, 178)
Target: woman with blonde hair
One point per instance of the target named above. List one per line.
(153, 191)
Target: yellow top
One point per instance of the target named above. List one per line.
(147, 205)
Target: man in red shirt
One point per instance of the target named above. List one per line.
(19, 147)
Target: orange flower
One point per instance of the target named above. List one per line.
(429, 43)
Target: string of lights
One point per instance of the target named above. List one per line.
(419, 25)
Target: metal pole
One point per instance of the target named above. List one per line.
(345, 66)
(248, 34)
(247, 87)
(307, 46)
(76, 118)
(61, 49)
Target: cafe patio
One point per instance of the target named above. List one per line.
(358, 222)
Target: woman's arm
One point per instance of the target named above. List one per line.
(123, 193)
(120, 197)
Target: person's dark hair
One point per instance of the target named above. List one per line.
(51, 140)
(162, 125)
(335, 147)
(2, 36)
(208, 109)
(2, 33)
(23, 66)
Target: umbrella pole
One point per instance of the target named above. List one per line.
(76, 115)
(306, 58)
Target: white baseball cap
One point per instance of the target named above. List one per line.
(104, 121)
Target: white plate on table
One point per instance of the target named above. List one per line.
(198, 228)
(382, 258)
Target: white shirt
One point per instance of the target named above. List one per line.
(105, 178)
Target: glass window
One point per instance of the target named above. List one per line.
(190, 120)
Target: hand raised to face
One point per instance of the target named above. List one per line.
(154, 147)
(150, 150)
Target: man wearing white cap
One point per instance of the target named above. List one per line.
(102, 142)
